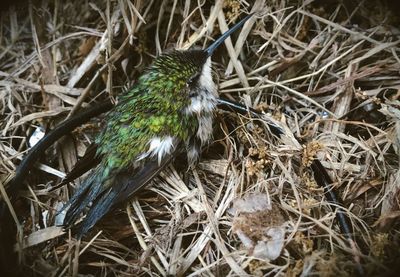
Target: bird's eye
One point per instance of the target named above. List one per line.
(193, 80)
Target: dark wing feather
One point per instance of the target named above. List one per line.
(83, 165)
(125, 184)
(87, 192)
(132, 184)
(38, 150)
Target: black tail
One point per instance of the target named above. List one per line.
(86, 194)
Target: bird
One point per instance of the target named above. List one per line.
(168, 111)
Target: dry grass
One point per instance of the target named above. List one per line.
(327, 72)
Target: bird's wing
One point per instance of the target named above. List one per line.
(129, 184)
(83, 165)
(125, 185)
(59, 131)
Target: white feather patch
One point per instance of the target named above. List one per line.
(205, 129)
(206, 80)
(158, 147)
(206, 100)
(192, 155)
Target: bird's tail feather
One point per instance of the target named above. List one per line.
(86, 194)
(122, 183)
(100, 207)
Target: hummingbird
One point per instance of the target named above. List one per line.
(169, 110)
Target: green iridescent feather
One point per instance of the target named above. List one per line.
(153, 107)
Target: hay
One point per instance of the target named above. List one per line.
(327, 71)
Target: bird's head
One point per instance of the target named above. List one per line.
(189, 71)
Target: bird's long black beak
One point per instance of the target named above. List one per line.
(210, 49)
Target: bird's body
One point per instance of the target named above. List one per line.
(169, 104)
(169, 108)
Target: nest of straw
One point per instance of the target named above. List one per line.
(326, 71)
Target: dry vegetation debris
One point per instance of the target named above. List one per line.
(328, 71)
